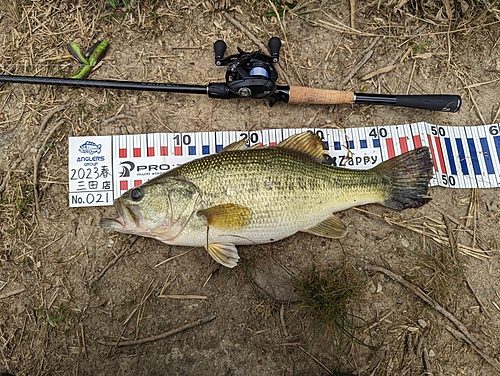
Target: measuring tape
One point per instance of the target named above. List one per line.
(101, 168)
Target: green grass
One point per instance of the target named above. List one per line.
(326, 294)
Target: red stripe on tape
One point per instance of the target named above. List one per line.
(122, 153)
(123, 185)
(432, 153)
(390, 147)
(440, 153)
(163, 150)
(403, 144)
(151, 151)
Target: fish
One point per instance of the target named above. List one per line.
(256, 195)
(90, 148)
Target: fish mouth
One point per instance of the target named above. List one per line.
(112, 223)
(129, 217)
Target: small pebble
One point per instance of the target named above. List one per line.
(422, 323)
(432, 354)
(405, 243)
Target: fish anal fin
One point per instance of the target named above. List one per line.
(227, 216)
(329, 228)
(224, 253)
(306, 142)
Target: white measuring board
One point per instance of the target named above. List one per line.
(101, 168)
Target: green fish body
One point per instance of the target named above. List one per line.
(260, 195)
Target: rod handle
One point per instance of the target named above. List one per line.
(437, 102)
(305, 95)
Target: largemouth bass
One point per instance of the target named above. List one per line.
(261, 195)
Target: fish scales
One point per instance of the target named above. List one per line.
(260, 195)
(281, 186)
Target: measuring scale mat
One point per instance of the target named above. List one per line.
(101, 168)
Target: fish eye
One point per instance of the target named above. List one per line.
(136, 194)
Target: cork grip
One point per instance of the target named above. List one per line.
(305, 95)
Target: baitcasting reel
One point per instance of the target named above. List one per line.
(249, 74)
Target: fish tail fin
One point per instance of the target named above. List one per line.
(409, 174)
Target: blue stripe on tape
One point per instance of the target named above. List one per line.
(497, 145)
(363, 144)
(218, 148)
(473, 154)
(336, 145)
(451, 158)
(205, 149)
(487, 156)
(376, 143)
(192, 150)
(461, 156)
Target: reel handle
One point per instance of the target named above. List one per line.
(274, 46)
(219, 49)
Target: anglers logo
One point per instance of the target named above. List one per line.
(90, 148)
(127, 166)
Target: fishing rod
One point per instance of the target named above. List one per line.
(253, 75)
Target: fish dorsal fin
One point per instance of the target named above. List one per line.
(329, 228)
(306, 142)
(227, 216)
(237, 145)
(224, 253)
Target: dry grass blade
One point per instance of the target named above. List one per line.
(38, 158)
(159, 336)
(12, 293)
(437, 233)
(426, 298)
(115, 260)
(184, 297)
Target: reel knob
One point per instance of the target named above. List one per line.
(219, 49)
(274, 46)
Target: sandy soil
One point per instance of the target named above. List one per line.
(57, 302)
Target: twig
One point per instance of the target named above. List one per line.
(259, 44)
(159, 336)
(173, 257)
(352, 4)
(115, 118)
(317, 361)
(286, 40)
(114, 261)
(368, 55)
(460, 336)
(427, 364)
(426, 298)
(181, 297)
(36, 193)
(11, 293)
(22, 156)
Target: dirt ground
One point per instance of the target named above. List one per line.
(58, 303)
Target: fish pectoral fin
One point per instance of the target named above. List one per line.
(227, 216)
(308, 143)
(329, 228)
(224, 253)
